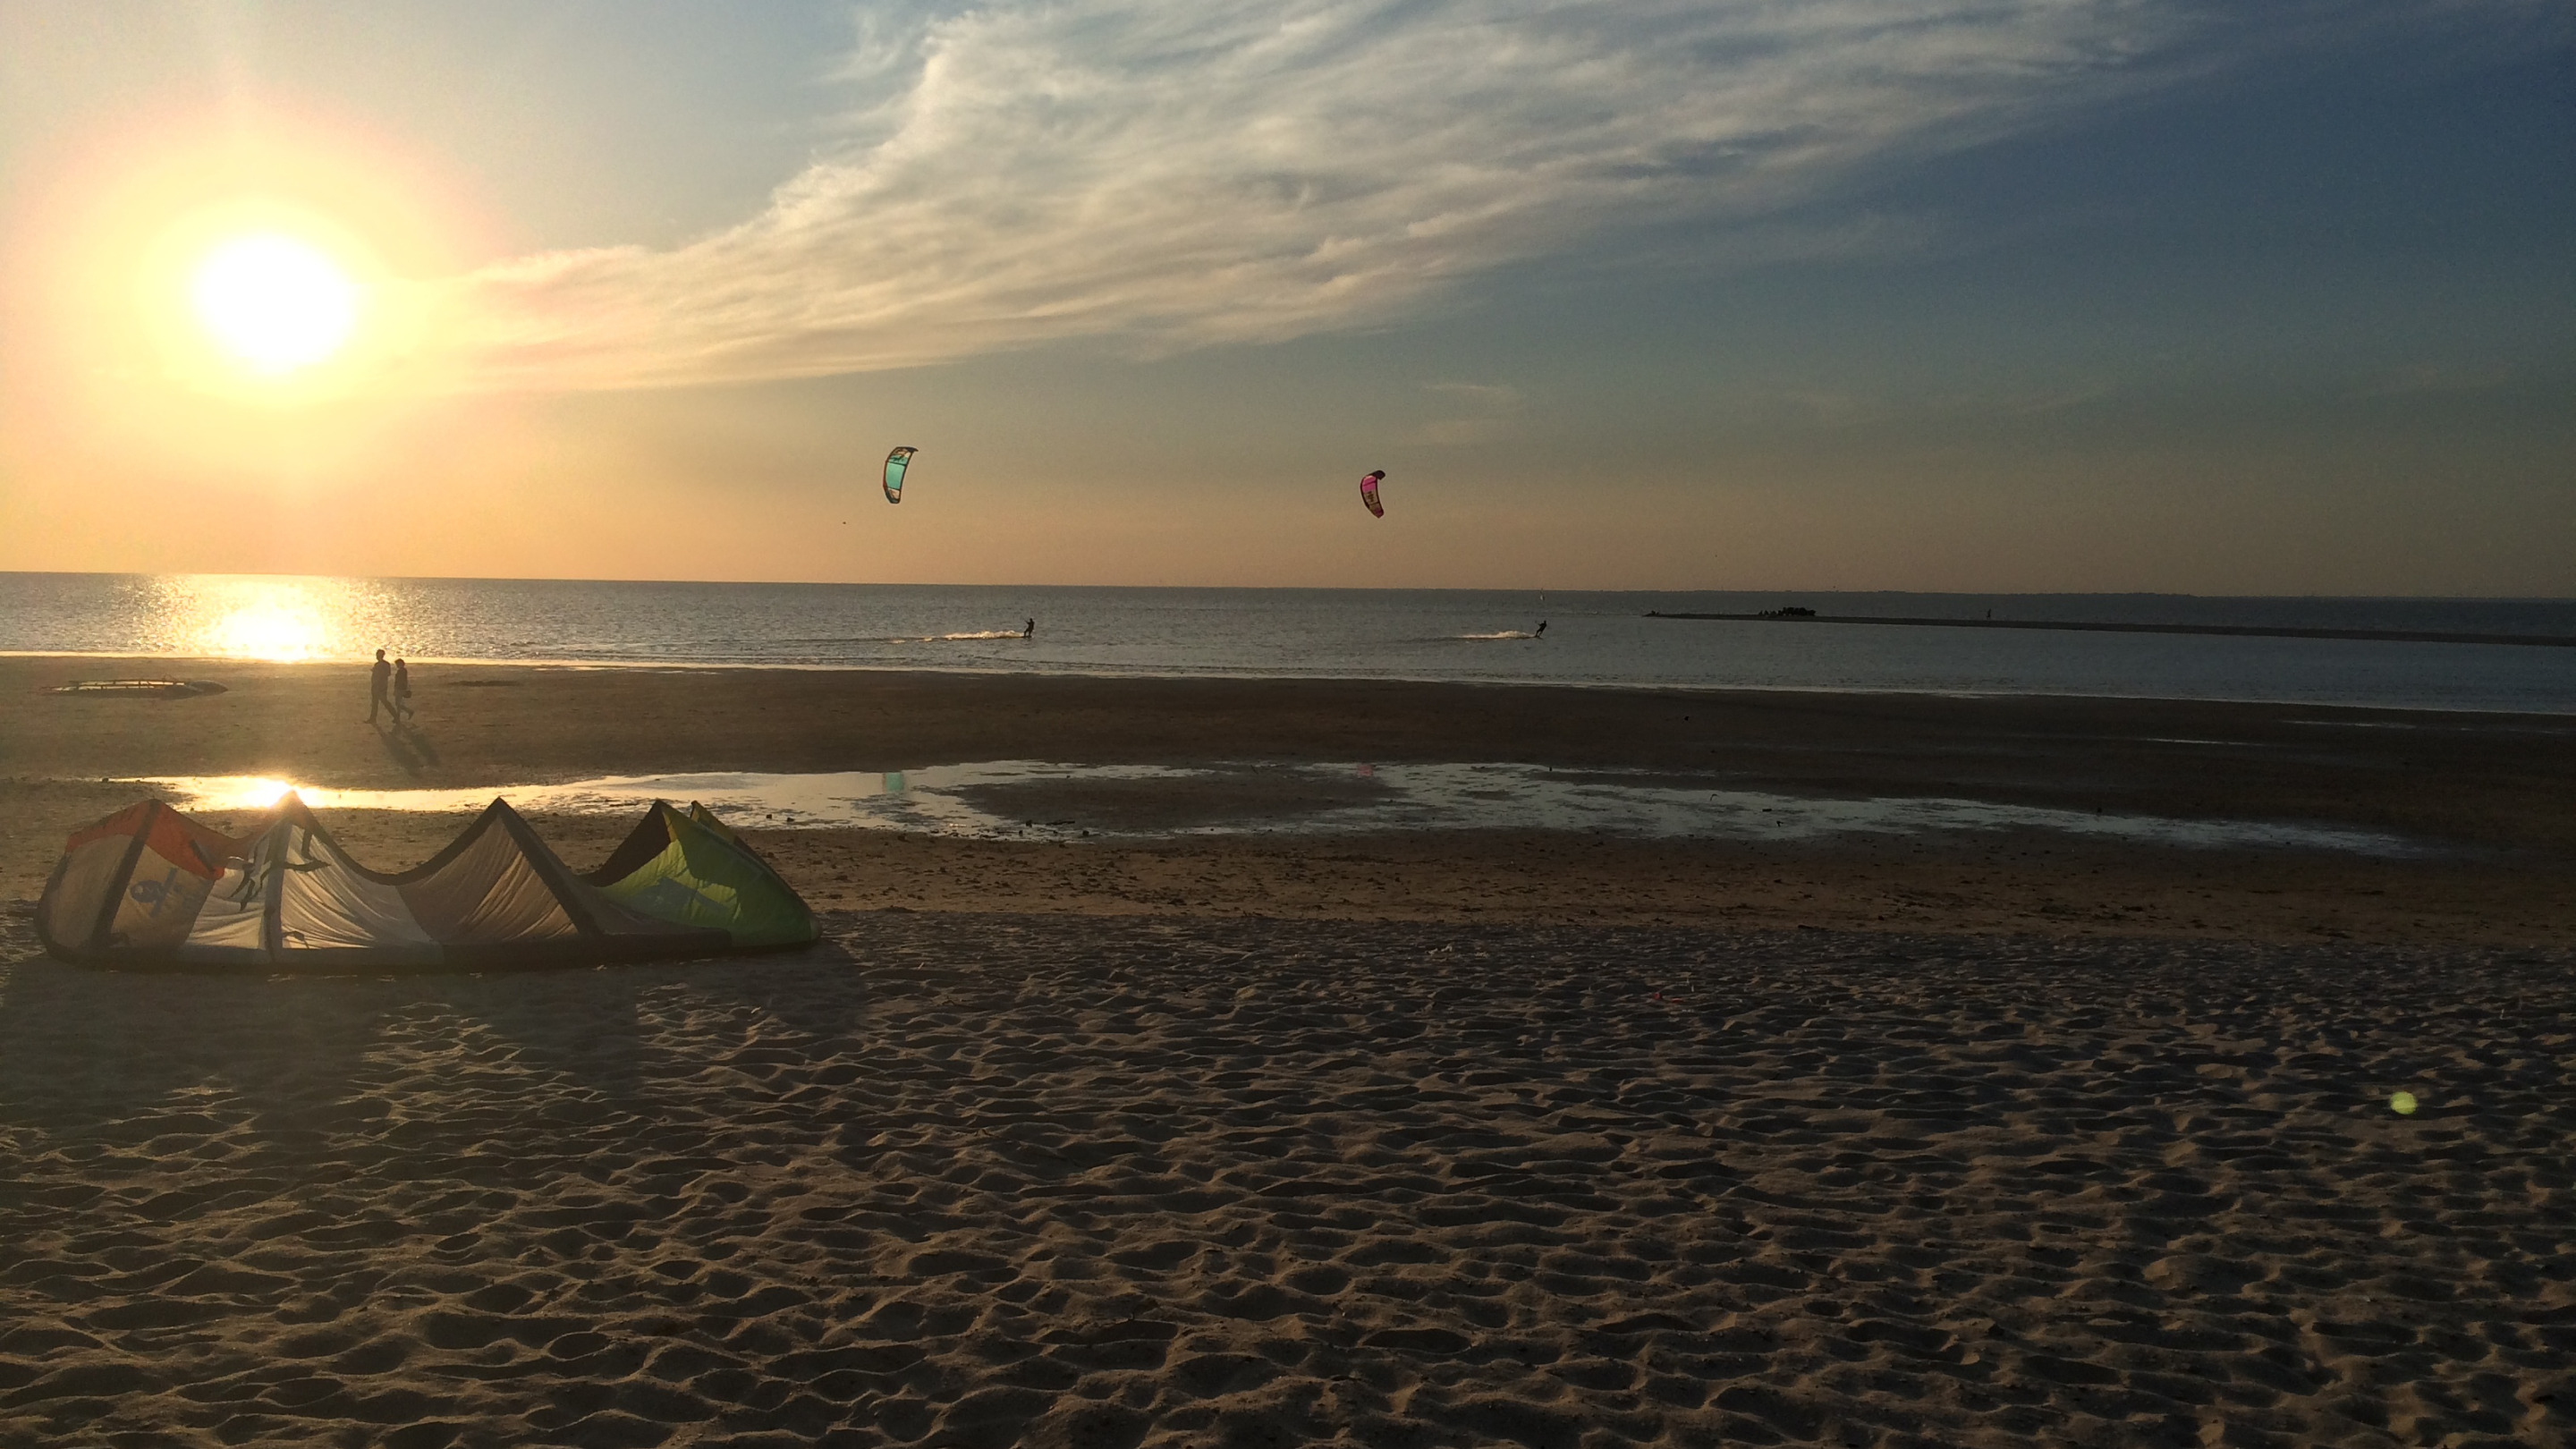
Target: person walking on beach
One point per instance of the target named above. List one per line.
(402, 692)
(379, 682)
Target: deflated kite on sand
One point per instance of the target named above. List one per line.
(150, 887)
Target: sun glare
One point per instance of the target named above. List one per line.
(241, 792)
(265, 631)
(280, 619)
(274, 304)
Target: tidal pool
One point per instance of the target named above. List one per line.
(1017, 799)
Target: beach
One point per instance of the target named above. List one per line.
(1969, 1137)
(984, 1179)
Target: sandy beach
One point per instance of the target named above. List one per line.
(1963, 1138)
(988, 1180)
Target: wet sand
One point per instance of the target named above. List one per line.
(2501, 780)
(2491, 799)
(991, 1180)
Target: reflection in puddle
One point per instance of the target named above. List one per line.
(1034, 799)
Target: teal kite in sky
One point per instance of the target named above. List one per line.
(896, 462)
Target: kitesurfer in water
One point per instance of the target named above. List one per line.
(1541, 631)
(1031, 631)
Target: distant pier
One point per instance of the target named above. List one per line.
(2252, 631)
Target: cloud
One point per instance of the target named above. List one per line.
(1479, 412)
(2437, 378)
(1202, 172)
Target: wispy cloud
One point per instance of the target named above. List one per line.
(2436, 378)
(1473, 412)
(1210, 171)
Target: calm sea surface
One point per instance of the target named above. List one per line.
(1591, 638)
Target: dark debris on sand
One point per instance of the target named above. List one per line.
(993, 1180)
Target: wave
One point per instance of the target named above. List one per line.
(891, 638)
(1505, 634)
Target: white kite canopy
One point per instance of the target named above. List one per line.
(150, 887)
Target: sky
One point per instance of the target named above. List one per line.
(1976, 295)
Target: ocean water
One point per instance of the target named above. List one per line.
(1591, 638)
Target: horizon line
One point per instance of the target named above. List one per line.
(1291, 588)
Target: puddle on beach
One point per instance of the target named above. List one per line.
(1027, 799)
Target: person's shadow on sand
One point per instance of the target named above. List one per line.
(410, 750)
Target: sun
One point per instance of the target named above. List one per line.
(272, 303)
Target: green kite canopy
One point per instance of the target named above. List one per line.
(690, 869)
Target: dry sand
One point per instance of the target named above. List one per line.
(992, 1180)
(1394, 1141)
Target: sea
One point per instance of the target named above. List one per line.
(1590, 638)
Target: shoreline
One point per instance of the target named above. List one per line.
(2567, 717)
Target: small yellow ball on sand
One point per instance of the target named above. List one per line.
(2403, 1104)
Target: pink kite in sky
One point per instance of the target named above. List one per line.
(1368, 492)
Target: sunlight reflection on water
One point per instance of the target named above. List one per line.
(1021, 799)
(240, 616)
